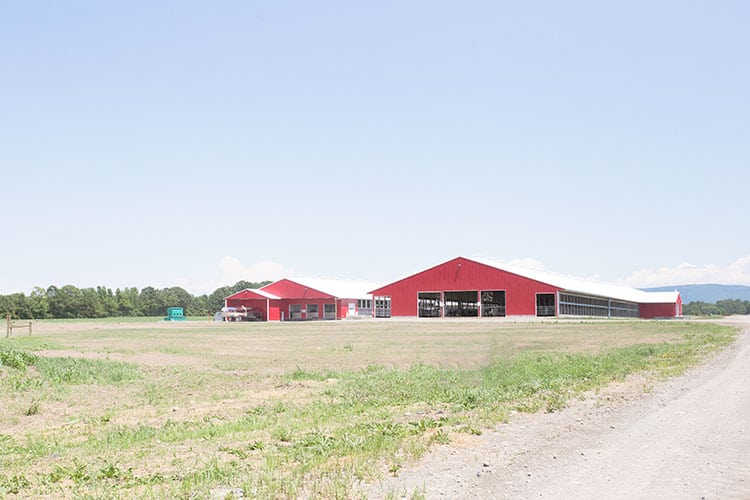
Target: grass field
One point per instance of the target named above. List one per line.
(179, 410)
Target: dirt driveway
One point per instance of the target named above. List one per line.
(685, 438)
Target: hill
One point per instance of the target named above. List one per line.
(710, 292)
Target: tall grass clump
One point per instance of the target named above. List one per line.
(15, 358)
(61, 372)
(77, 371)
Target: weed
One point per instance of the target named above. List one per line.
(76, 371)
(256, 445)
(419, 493)
(33, 408)
(112, 471)
(394, 469)
(301, 374)
(283, 434)
(15, 484)
(14, 358)
(440, 437)
(242, 454)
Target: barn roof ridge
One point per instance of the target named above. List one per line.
(301, 285)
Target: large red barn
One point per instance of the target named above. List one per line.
(481, 288)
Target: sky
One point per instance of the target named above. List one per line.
(194, 144)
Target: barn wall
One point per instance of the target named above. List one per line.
(274, 311)
(651, 311)
(303, 305)
(342, 307)
(462, 274)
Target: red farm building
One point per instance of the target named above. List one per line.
(287, 300)
(483, 288)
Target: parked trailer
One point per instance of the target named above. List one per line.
(241, 313)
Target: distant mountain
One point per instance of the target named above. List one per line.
(706, 293)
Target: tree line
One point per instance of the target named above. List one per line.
(71, 302)
(725, 307)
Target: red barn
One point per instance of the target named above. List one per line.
(287, 300)
(482, 288)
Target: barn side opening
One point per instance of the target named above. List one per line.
(462, 304)
(493, 303)
(545, 304)
(295, 312)
(312, 311)
(428, 304)
(382, 306)
(582, 305)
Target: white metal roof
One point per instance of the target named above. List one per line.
(340, 288)
(259, 292)
(584, 286)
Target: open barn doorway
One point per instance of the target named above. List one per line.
(493, 303)
(463, 304)
(428, 304)
(545, 304)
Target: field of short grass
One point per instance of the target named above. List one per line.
(180, 410)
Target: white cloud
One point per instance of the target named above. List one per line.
(736, 273)
(528, 263)
(232, 270)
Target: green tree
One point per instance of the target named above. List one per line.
(149, 302)
(107, 301)
(127, 302)
(15, 305)
(176, 297)
(37, 303)
(89, 305)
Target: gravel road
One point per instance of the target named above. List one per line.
(685, 438)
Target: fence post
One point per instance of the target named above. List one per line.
(9, 327)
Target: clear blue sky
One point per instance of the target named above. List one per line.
(198, 143)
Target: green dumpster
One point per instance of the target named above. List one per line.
(175, 314)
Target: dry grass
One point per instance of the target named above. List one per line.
(201, 377)
(273, 348)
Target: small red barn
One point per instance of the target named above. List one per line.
(287, 300)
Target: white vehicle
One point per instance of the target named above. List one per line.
(240, 314)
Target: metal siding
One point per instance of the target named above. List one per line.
(342, 307)
(667, 310)
(464, 274)
(274, 311)
(303, 305)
